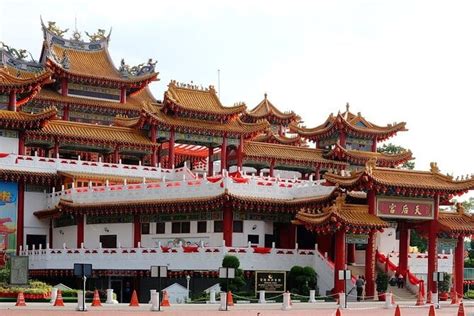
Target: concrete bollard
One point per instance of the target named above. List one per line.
(388, 300)
(155, 299)
(286, 301)
(212, 297)
(54, 294)
(110, 296)
(312, 296)
(434, 299)
(261, 297)
(80, 301)
(342, 300)
(151, 296)
(223, 296)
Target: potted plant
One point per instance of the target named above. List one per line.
(381, 285)
(443, 287)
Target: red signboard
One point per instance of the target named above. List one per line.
(405, 208)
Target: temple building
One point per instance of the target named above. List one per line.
(95, 169)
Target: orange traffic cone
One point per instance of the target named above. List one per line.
(461, 310)
(428, 298)
(454, 296)
(166, 300)
(134, 299)
(338, 312)
(397, 311)
(230, 300)
(420, 299)
(59, 299)
(432, 311)
(96, 299)
(20, 300)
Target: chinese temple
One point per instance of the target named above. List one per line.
(104, 173)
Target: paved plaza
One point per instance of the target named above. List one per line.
(320, 309)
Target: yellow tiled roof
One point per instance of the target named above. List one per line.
(271, 137)
(266, 110)
(199, 100)
(22, 120)
(10, 76)
(456, 222)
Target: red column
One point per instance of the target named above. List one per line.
(12, 101)
(459, 268)
(21, 216)
(66, 113)
(210, 164)
(228, 221)
(123, 95)
(64, 87)
(153, 160)
(137, 230)
(272, 167)
(116, 155)
(351, 253)
(153, 132)
(21, 143)
(80, 230)
(374, 145)
(403, 245)
(370, 251)
(339, 260)
(433, 248)
(224, 152)
(342, 139)
(318, 173)
(56, 148)
(50, 233)
(171, 149)
(240, 153)
(291, 236)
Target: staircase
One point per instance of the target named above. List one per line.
(401, 294)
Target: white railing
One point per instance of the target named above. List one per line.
(178, 258)
(53, 165)
(418, 262)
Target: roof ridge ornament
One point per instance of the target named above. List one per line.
(97, 36)
(139, 70)
(55, 29)
(434, 167)
(370, 165)
(460, 208)
(20, 54)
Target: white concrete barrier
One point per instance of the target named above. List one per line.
(80, 301)
(151, 296)
(212, 297)
(155, 299)
(342, 300)
(261, 297)
(223, 305)
(286, 301)
(312, 296)
(388, 300)
(54, 295)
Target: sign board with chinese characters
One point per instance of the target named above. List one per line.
(393, 207)
(19, 270)
(357, 239)
(270, 281)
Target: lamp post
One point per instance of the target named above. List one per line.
(227, 273)
(438, 277)
(188, 278)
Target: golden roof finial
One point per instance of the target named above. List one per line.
(434, 167)
(347, 106)
(370, 165)
(340, 200)
(460, 208)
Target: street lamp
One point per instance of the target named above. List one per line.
(226, 273)
(188, 278)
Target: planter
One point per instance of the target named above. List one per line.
(381, 296)
(443, 296)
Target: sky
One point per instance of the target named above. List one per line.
(393, 61)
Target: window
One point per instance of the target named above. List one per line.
(181, 227)
(35, 240)
(218, 227)
(238, 226)
(253, 239)
(160, 228)
(145, 228)
(108, 241)
(202, 227)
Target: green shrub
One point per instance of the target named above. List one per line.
(381, 282)
(301, 280)
(443, 286)
(238, 282)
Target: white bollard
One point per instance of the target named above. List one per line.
(434, 299)
(212, 297)
(110, 296)
(80, 302)
(312, 296)
(155, 298)
(222, 307)
(388, 300)
(151, 295)
(261, 297)
(54, 294)
(286, 301)
(342, 300)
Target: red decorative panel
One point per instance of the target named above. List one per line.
(405, 208)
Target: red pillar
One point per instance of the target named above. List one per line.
(21, 216)
(116, 155)
(12, 101)
(370, 251)
(56, 148)
(50, 239)
(374, 144)
(342, 139)
(291, 236)
(224, 152)
(64, 87)
(228, 221)
(123, 95)
(21, 143)
(137, 230)
(403, 245)
(318, 173)
(272, 167)
(210, 164)
(171, 149)
(153, 132)
(66, 113)
(339, 260)
(153, 160)
(433, 248)
(80, 229)
(459, 268)
(240, 153)
(351, 253)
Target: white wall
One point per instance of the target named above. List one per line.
(124, 232)
(259, 228)
(386, 242)
(35, 201)
(9, 144)
(69, 237)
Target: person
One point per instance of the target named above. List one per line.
(360, 288)
(400, 281)
(393, 281)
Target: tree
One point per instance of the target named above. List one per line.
(238, 282)
(393, 150)
(417, 241)
(301, 280)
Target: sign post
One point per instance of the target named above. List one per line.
(83, 270)
(344, 275)
(226, 273)
(159, 272)
(438, 277)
